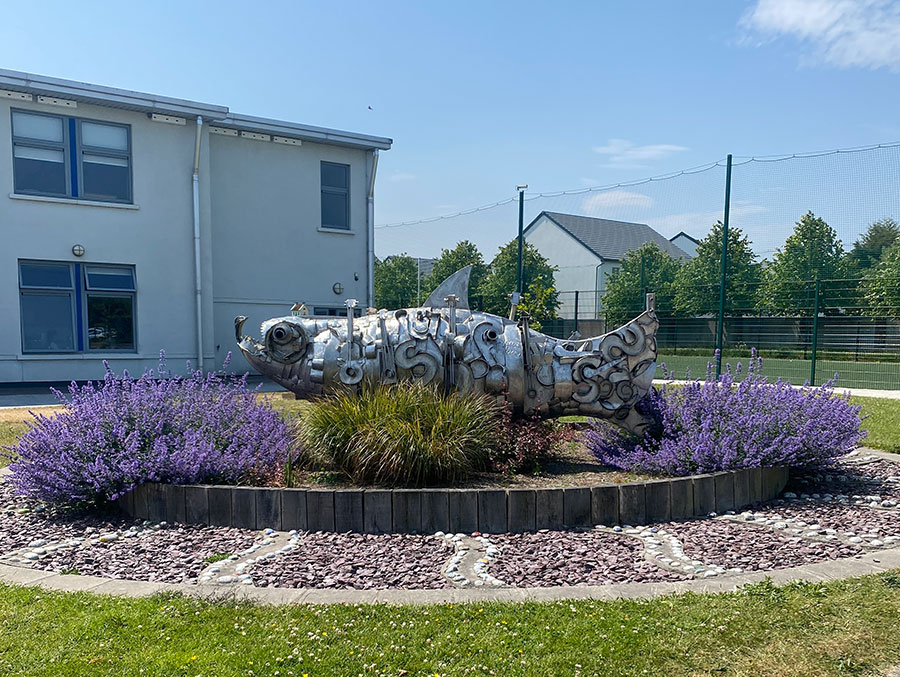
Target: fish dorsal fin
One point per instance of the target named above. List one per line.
(458, 284)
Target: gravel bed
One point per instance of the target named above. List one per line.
(881, 478)
(18, 527)
(749, 548)
(174, 554)
(845, 519)
(567, 558)
(359, 562)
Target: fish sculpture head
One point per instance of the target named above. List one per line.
(280, 355)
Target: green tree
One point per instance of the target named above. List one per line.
(539, 297)
(463, 254)
(697, 283)
(813, 251)
(867, 250)
(643, 270)
(881, 285)
(395, 282)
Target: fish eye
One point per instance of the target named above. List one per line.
(282, 333)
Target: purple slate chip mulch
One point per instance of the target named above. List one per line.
(876, 477)
(842, 518)
(175, 554)
(358, 561)
(565, 558)
(731, 544)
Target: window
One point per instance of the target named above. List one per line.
(71, 157)
(69, 307)
(335, 196)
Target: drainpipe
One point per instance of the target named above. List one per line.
(198, 285)
(370, 223)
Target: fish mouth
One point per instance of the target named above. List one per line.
(253, 350)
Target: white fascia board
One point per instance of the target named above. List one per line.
(106, 96)
(307, 132)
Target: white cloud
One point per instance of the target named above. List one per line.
(698, 224)
(844, 33)
(624, 154)
(596, 203)
(401, 176)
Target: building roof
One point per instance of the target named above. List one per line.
(683, 234)
(41, 85)
(610, 240)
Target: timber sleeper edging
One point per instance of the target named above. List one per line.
(455, 510)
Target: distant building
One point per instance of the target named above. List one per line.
(686, 243)
(134, 222)
(587, 250)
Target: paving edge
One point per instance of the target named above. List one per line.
(833, 570)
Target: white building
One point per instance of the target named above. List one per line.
(134, 222)
(586, 251)
(686, 243)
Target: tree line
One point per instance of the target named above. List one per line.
(863, 280)
(396, 279)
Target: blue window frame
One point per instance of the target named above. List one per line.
(73, 307)
(60, 156)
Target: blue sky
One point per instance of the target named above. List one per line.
(481, 96)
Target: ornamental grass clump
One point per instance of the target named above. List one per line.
(122, 432)
(404, 435)
(720, 424)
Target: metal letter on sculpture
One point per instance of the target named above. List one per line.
(603, 376)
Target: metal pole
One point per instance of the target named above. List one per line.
(576, 311)
(815, 336)
(521, 188)
(720, 329)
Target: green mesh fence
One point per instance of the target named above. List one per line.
(813, 263)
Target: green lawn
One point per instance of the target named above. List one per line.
(882, 422)
(843, 628)
(851, 374)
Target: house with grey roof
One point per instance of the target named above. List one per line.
(134, 222)
(686, 243)
(586, 251)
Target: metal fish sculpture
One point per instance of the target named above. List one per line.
(446, 344)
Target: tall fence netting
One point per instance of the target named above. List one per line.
(814, 286)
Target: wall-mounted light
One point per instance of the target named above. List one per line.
(337, 288)
(77, 250)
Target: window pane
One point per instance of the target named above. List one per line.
(110, 322)
(335, 176)
(334, 210)
(47, 322)
(104, 136)
(106, 178)
(40, 127)
(39, 170)
(110, 278)
(57, 275)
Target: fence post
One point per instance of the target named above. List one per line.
(815, 336)
(576, 310)
(720, 329)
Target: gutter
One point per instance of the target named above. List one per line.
(370, 226)
(198, 279)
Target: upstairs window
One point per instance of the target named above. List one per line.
(69, 157)
(335, 196)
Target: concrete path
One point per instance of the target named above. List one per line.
(871, 563)
(855, 392)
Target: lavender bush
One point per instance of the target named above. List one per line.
(119, 433)
(718, 424)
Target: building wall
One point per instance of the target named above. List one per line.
(262, 247)
(686, 244)
(268, 248)
(155, 236)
